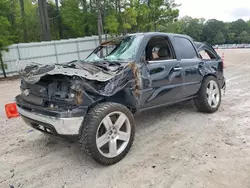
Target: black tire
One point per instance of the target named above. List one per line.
(90, 127)
(201, 102)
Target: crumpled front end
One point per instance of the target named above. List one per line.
(53, 96)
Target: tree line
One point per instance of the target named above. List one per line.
(43, 20)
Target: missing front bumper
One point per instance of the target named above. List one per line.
(53, 125)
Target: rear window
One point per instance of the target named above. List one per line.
(185, 48)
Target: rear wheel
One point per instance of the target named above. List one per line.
(107, 133)
(209, 96)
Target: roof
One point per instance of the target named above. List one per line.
(151, 34)
(161, 33)
(198, 44)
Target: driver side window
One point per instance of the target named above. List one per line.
(158, 48)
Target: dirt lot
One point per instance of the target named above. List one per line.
(174, 147)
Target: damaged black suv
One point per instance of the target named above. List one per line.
(96, 98)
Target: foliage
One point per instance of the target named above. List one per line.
(191, 27)
(219, 38)
(244, 37)
(129, 19)
(78, 18)
(32, 22)
(213, 31)
(5, 38)
(111, 23)
(5, 26)
(72, 18)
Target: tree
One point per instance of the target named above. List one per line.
(72, 18)
(53, 21)
(111, 23)
(192, 27)
(44, 20)
(36, 20)
(129, 20)
(231, 37)
(84, 5)
(244, 37)
(59, 20)
(5, 34)
(248, 24)
(219, 38)
(99, 23)
(149, 15)
(5, 39)
(211, 29)
(175, 27)
(142, 17)
(238, 26)
(162, 12)
(25, 34)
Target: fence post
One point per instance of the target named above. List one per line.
(56, 52)
(78, 50)
(18, 52)
(2, 65)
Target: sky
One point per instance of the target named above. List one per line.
(225, 10)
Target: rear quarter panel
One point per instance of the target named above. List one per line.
(215, 67)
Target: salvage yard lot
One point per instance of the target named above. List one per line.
(175, 146)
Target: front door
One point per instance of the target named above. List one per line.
(162, 78)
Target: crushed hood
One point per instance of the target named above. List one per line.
(93, 81)
(102, 71)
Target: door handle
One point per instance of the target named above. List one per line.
(177, 68)
(156, 70)
(201, 64)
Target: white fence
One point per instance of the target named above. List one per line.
(48, 52)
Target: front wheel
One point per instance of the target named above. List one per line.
(209, 96)
(107, 133)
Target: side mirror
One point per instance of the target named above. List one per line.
(143, 59)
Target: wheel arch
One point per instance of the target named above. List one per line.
(204, 77)
(201, 101)
(209, 74)
(124, 97)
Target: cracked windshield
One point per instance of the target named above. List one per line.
(121, 49)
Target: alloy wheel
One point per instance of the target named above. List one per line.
(213, 94)
(113, 134)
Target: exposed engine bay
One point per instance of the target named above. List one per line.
(66, 86)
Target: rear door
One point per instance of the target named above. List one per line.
(191, 64)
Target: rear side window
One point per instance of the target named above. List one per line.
(206, 54)
(184, 48)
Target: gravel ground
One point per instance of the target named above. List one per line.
(175, 147)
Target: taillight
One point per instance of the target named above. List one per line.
(223, 60)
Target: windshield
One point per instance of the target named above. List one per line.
(121, 49)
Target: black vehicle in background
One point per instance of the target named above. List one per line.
(96, 98)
